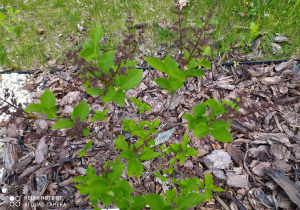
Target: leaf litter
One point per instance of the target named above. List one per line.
(259, 169)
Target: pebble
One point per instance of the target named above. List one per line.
(218, 159)
(235, 180)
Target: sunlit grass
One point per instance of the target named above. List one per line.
(61, 17)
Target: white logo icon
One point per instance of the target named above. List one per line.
(15, 201)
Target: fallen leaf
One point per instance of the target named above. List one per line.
(40, 30)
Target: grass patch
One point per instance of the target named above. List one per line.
(26, 49)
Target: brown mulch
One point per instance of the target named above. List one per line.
(263, 168)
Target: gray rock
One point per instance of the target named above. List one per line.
(235, 180)
(219, 174)
(218, 159)
(280, 39)
(276, 48)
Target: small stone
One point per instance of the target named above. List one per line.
(276, 48)
(57, 45)
(280, 38)
(81, 28)
(188, 164)
(218, 159)
(241, 191)
(219, 174)
(12, 131)
(52, 62)
(237, 180)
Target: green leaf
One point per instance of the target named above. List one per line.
(106, 61)
(155, 201)
(192, 64)
(106, 198)
(97, 34)
(253, 27)
(79, 179)
(92, 91)
(185, 140)
(156, 64)
(199, 109)
(48, 99)
(83, 188)
(195, 73)
(87, 53)
(89, 144)
(175, 83)
(117, 193)
(163, 179)
(87, 84)
(191, 199)
(215, 106)
(139, 202)
(125, 187)
(86, 132)
(176, 147)
(65, 123)
(173, 70)
(182, 158)
(157, 174)
(117, 172)
(201, 129)
(134, 167)
(116, 96)
(127, 154)
(187, 117)
(205, 64)
(81, 153)
(170, 150)
(90, 172)
(218, 124)
(39, 108)
(171, 170)
(186, 54)
(98, 186)
(172, 161)
(218, 189)
(206, 50)
(155, 123)
(82, 111)
(148, 154)
(209, 182)
(121, 143)
(208, 194)
(131, 81)
(131, 64)
(122, 203)
(163, 83)
(190, 151)
(100, 115)
(221, 134)
(1, 16)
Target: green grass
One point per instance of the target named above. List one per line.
(60, 17)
